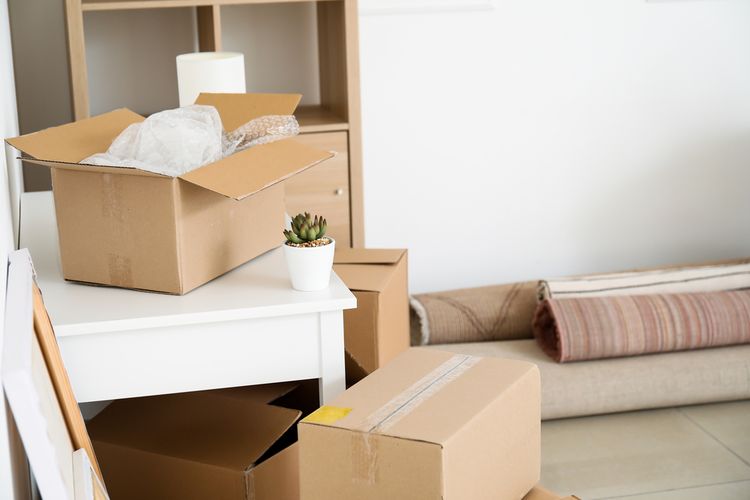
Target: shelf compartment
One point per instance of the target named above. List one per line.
(319, 119)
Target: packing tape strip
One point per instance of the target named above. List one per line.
(365, 463)
(364, 457)
(405, 402)
(120, 270)
(249, 486)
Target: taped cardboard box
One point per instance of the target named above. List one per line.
(429, 425)
(378, 329)
(130, 228)
(222, 445)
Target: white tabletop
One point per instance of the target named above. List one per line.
(260, 288)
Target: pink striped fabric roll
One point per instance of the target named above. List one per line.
(607, 327)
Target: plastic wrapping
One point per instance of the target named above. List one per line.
(176, 141)
(263, 130)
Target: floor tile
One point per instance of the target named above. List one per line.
(727, 422)
(632, 453)
(728, 491)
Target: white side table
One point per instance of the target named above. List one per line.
(244, 328)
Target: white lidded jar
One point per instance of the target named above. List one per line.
(310, 267)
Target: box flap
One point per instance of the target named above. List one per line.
(364, 277)
(425, 395)
(540, 493)
(247, 172)
(238, 109)
(75, 141)
(264, 393)
(217, 430)
(368, 255)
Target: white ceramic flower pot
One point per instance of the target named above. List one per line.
(310, 267)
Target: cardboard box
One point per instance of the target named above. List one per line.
(378, 329)
(429, 425)
(198, 446)
(135, 229)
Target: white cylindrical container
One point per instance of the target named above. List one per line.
(310, 267)
(216, 72)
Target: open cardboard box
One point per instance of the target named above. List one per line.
(135, 229)
(378, 329)
(228, 444)
(429, 424)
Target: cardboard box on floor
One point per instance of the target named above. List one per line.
(539, 493)
(217, 444)
(429, 424)
(131, 228)
(378, 329)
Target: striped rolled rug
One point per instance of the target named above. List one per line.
(578, 329)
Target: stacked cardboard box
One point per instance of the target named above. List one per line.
(378, 329)
(131, 228)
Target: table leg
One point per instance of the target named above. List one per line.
(332, 375)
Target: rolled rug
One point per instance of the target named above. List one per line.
(501, 312)
(607, 327)
(733, 275)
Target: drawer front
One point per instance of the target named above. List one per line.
(324, 188)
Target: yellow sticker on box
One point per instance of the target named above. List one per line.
(327, 415)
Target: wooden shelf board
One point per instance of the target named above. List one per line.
(319, 119)
(94, 5)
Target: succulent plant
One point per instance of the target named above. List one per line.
(306, 228)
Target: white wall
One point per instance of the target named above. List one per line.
(547, 138)
(544, 137)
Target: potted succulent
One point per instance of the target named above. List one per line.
(309, 252)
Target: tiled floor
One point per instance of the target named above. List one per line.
(694, 452)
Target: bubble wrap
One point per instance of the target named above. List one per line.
(176, 141)
(263, 130)
(171, 142)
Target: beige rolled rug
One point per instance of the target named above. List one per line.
(627, 384)
(628, 325)
(502, 312)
